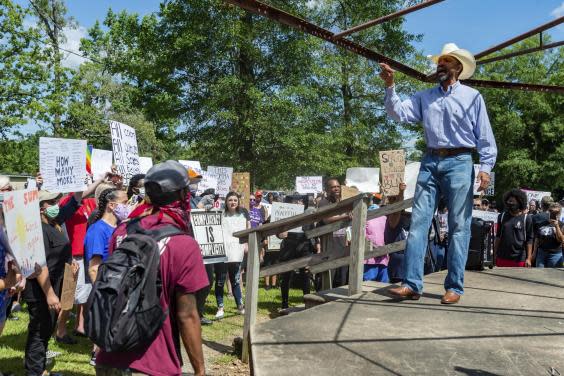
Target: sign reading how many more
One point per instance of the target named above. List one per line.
(124, 146)
(392, 169)
(208, 232)
(309, 184)
(23, 224)
(224, 176)
(62, 163)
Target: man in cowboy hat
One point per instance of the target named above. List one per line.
(456, 123)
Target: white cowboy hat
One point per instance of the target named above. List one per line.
(465, 57)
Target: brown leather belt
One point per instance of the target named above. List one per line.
(449, 152)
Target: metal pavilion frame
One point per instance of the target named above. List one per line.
(339, 39)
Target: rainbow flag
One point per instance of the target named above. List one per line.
(89, 158)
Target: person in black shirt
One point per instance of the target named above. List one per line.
(43, 293)
(549, 238)
(514, 242)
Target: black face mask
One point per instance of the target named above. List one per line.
(512, 206)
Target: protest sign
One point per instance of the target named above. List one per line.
(68, 290)
(242, 185)
(365, 179)
(280, 211)
(224, 176)
(31, 184)
(309, 184)
(410, 179)
(195, 165)
(392, 169)
(145, 163)
(485, 215)
(489, 191)
(23, 224)
(208, 232)
(535, 195)
(62, 163)
(208, 182)
(348, 192)
(89, 149)
(101, 162)
(126, 154)
(233, 249)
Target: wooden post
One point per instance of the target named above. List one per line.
(251, 294)
(326, 280)
(356, 265)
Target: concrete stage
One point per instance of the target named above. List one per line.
(509, 322)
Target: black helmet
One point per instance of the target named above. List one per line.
(164, 182)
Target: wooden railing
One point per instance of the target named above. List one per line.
(360, 249)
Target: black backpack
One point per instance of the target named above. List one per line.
(124, 311)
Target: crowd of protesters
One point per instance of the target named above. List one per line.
(84, 229)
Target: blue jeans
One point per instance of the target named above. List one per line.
(548, 259)
(452, 177)
(377, 272)
(222, 270)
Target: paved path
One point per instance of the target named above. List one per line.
(509, 322)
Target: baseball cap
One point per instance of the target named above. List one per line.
(170, 176)
(48, 196)
(547, 200)
(258, 194)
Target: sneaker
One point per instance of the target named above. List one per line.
(220, 313)
(50, 354)
(66, 340)
(93, 359)
(241, 309)
(16, 307)
(205, 321)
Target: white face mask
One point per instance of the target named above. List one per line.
(142, 192)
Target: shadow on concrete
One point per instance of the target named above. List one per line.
(372, 361)
(524, 280)
(219, 347)
(474, 372)
(412, 339)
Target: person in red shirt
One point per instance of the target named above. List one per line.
(182, 273)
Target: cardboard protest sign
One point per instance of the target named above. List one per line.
(242, 185)
(224, 176)
(208, 232)
(348, 192)
(68, 290)
(535, 195)
(392, 169)
(23, 224)
(309, 184)
(126, 154)
(280, 211)
(365, 179)
(490, 191)
(62, 163)
(145, 163)
(195, 165)
(102, 161)
(208, 182)
(233, 249)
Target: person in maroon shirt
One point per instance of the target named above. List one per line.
(182, 273)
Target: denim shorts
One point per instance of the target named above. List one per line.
(4, 300)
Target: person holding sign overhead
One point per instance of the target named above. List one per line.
(456, 123)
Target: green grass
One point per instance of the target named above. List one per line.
(74, 359)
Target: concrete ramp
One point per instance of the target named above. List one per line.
(509, 322)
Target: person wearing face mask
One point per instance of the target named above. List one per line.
(514, 241)
(43, 293)
(136, 189)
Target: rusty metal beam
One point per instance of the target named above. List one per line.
(515, 86)
(522, 52)
(388, 17)
(285, 18)
(518, 38)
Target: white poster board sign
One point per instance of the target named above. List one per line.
(485, 215)
(208, 181)
(282, 210)
(535, 195)
(31, 184)
(208, 232)
(23, 224)
(195, 165)
(309, 184)
(410, 179)
(101, 162)
(489, 191)
(145, 163)
(62, 163)
(126, 154)
(233, 249)
(223, 176)
(366, 179)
